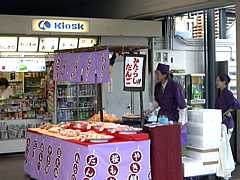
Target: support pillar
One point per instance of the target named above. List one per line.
(222, 23)
(211, 58)
(238, 75)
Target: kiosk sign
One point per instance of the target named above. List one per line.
(134, 72)
(54, 25)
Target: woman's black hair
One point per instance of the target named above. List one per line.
(224, 77)
(4, 82)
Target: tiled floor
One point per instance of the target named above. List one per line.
(11, 168)
(236, 174)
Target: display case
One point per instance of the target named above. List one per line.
(180, 78)
(75, 102)
(196, 94)
(26, 108)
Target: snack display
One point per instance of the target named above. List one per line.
(54, 129)
(94, 137)
(106, 117)
(87, 130)
(129, 130)
(81, 125)
(69, 132)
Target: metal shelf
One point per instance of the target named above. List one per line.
(17, 121)
(87, 96)
(67, 108)
(69, 97)
(15, 81)
(66, 84)
(82, 96)
(74, 108)
(32, 86)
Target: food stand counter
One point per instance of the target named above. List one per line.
(125, 157)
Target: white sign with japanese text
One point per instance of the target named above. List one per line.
(22, 64)
(8, 43)
(28, 44)
(68, 43)
(87, 42)
(134, 69)
(48, 44)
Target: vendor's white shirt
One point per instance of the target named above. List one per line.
(7, 93)
(164, 85)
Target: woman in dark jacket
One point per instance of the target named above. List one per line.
(226, 101)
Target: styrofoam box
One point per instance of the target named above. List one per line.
(205, 116)
(205, 130)
(193, 167)
(200, 142)
(203, 156)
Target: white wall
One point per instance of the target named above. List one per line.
(97, 27)
(190, 54)
(117, 101)
(194, 55)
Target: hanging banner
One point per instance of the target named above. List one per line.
(134, 72)
(84, 67)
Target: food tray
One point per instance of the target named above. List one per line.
(99, 140)
(131, 117)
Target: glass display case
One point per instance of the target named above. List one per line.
(180, 78)
(75, 101)
(196, 90)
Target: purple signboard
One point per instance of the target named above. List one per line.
(85, 67)
(49, 158)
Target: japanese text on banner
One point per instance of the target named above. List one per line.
(134, 72)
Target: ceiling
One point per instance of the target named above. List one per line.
(124, 9)
(74, 8)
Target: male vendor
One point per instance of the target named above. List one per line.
(168, 96)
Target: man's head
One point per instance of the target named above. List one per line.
(162, 72)
(3, 84)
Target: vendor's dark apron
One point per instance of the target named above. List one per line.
(166, 160)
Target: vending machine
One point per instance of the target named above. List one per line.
(179, 76)
(195, 88)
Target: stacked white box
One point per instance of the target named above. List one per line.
(204, 128)
(193, 167)
(210, 155)
(203, 141)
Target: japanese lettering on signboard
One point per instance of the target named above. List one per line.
(134, 72)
